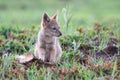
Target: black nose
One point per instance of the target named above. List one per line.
(60, 34)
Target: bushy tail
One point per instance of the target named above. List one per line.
(24, 58)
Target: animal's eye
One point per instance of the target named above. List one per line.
(54, 28)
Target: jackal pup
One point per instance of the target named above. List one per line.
(47, 46)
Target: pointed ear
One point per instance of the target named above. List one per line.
(46, 18)
(55, 16)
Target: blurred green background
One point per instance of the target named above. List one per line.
(29, 12)
(88, 26)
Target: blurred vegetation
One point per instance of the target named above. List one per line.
(27, 12)
(88, 27)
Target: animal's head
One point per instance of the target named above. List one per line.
(51, 26)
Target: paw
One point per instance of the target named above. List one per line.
(52, 62)
(40, 57)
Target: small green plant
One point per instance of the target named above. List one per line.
(76, 46)
(67, 17)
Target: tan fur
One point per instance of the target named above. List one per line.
(47, 46)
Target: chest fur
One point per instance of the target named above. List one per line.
(48, 44)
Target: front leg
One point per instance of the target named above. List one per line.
(52, 56)
(40, 53)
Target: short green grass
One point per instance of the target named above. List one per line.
(20, 23)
